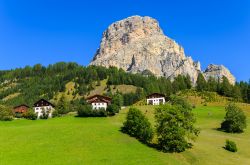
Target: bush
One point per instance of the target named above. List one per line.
(7, 118)
(231, 146)
(55, 113)
(113, 109)
(30, 115)
(235, 119)
(137, 125)
(5, 113)
(175, 127)
(86, 111)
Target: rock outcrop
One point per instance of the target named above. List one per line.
(217, 72)
(137, 44)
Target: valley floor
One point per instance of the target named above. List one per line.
(77, 141)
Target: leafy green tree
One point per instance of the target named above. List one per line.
(117, 99)
(235, 119)
(175, 127)
(62, 106)
(113, 109)
(201, 84)
(5, 113)
(30, 114)
(137, 125)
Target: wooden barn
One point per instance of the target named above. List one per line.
(20, 110)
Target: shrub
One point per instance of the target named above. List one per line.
(175, 127)
(31, 115)
(62, 106)
(231, 146)
(86, 111)
(5, 113)
(137, 125)
(55, 113)
(7, 118)
(99, 113)
(113, 109)
(235, 119)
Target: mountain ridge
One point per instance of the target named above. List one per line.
(137, 43)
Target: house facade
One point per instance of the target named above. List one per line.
(43, 106)
(99, 102)
(156, 99)
(20, 110)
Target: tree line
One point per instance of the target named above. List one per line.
(33, 83)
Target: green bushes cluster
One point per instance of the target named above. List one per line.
(5, 113)
(112, 109)
(137, 125)
(235, 119)
(174, 126)
(31, 115)
(86, 111)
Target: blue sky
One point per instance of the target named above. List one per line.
(49, 31)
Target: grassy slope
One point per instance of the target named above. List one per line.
(70, 140)
(120, 88)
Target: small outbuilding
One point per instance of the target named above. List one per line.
(20, 110)
(156, 99)
(43, 106)
(99, 101)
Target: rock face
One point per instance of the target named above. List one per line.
(217, 72)
(137, 44)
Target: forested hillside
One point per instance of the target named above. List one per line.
(28, 84)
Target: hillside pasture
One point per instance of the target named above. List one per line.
(72, 140)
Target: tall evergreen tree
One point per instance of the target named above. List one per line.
(201, 84)
(226, 87)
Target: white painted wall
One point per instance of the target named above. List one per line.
(99, 105)
(156, 101)
(38, 110)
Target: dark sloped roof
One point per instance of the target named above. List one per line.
(98, 98)
(154, 95)
(43, 102)
(21, 106)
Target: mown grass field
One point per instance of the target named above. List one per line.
(79, 141)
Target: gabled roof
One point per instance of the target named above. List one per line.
(43, 102)
(98, 98)
(155, 95)
(21, 106)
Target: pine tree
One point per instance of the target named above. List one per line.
(201, 84)
(226, 87)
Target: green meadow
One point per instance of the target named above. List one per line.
(88, 141)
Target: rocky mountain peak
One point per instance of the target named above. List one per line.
(217, 72)
(137, 44)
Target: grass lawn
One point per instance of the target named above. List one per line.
(77, 141)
